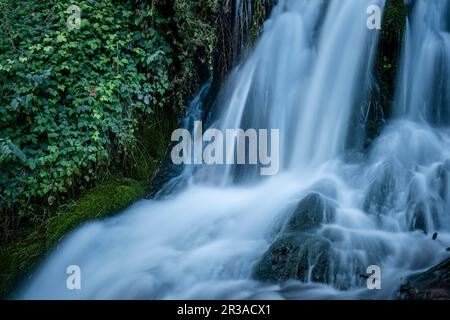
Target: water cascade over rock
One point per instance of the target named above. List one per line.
(313, 230)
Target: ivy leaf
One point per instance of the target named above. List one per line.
(31, 164)
(154, 56)
(147, 99)
(15, 104)
(7, 147)
(61, 38)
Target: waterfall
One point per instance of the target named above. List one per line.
(424, 89)
(307, 76)
(242, 24)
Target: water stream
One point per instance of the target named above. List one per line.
(307, 76)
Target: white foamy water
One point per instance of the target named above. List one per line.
(306, 76)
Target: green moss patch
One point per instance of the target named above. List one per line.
(101, 201)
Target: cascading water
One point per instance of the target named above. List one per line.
(306, 76)
(424, 90)
(242, 23)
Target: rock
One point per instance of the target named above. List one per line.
(419, 218)
(310, 213)
(435, 235)
(424, 215)
(381, 194)
(292, 256)
(429, 285)
(299, 252)
(440, 179)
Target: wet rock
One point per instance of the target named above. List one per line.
(310, 213)
(301, 257)
(381, 194)
(440, 180)
(299, 253)
(333, 234)
(419, 218)
(432, 284)
(424, 215)
(435, 235)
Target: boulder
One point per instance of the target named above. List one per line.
(381, 194)
(433, 284)
(296, 257)
(310, 213)
(299, 252)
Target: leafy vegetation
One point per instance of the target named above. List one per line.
(77, 103)
(86, 113)
(74, 96)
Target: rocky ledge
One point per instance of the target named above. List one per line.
(433, 284)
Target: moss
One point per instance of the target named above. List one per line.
(147, 155)
(390, 50)
(387, 65)
(191, 30)
(101, 201)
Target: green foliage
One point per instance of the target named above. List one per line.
(195, 41)
(103, 200)
(261, 10)
(71, 100)
(78, 104)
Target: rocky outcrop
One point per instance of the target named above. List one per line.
(386, 67)
(299, 252)
(238, 27)
(433, 284)
(311, 212)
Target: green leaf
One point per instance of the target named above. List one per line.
(14, 149)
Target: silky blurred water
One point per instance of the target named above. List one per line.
(307, 76)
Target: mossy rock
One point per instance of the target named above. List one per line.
(101, 201)
(386, 66)
(292, 256)
(310, 213)
(298, 248)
